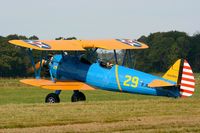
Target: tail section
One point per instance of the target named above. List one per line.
(182, 74)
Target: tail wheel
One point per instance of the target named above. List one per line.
(78, 96)
(52, 98)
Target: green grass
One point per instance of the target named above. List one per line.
(22, 109)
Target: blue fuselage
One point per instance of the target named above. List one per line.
(117, 78)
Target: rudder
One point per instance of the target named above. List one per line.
(187, 82)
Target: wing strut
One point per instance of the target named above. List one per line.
(92, 53)
(124, 59)
(115, 54)
(52, 78)
(37, 72)
(129, 57)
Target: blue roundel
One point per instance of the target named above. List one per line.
(38, 44)
(130, 42)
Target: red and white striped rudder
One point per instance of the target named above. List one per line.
(187, 82)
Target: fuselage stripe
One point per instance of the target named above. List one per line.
(117, 78)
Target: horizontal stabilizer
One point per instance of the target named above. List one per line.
(58, 85)
(159, 83)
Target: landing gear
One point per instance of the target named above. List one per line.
(52, 98)
(78, 96)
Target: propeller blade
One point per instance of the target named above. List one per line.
(37, 66)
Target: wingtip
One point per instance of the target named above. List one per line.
(13, 41)
(10, 41)
(144, 45)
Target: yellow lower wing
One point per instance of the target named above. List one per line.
(59, 85)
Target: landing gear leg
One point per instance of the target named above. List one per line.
(78, 96)
(53, 97)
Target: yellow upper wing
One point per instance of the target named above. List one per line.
(80, 45)
(117, 44)
(71, 45)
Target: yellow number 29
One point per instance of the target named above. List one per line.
(134, 81)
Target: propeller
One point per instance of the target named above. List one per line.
(37, 66)
(44, 64)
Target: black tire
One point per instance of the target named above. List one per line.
(78, 96)
(52, 98)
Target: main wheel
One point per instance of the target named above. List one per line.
(52, 98)
(78, 96)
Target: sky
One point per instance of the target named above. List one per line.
(97, 19)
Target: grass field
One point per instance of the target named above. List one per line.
(22, 109)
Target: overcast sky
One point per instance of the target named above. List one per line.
(97, 19)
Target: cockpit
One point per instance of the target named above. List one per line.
(106, 59)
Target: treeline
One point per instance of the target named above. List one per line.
(165, 49)
(13, 60)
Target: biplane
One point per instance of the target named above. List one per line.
(75, 73)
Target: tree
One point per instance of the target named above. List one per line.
(13, 59)
(165, 49)
(194, 53)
